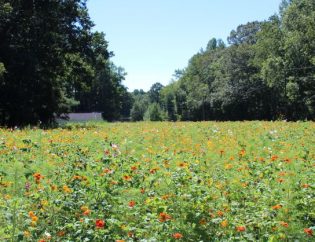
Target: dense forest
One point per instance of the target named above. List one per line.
(265, 72)
(52, 63)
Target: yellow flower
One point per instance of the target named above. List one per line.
(84, 208)
(224, 223)
(44, 203)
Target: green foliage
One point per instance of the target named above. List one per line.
(2, 69)
(154, 92)
(140, 105)
(154, 113)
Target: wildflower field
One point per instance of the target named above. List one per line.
(206, 181)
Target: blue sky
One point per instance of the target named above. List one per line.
(152, 38)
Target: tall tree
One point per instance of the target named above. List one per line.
(37, 37)
(52, 63)
(154, 92)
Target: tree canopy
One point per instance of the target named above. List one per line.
(266, 72)
(51, 62)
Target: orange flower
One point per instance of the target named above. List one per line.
(53, 187)
(242, 152)
(153, 171)
(276, 207)
(131, 203)
(182, 164)
(120, 240)
(76, 177)
(142, 190)
(284, 224)
(308, 231)
(99, 223)
(133, 168)
(220, 213)
(107, 171)
(224, 223)
(240, 228)
(274, 157)
(31, 214)
(66, 189)
(37, 177)
(34, 219)
(127, 178)
(244, 184)
(280, 180)
(166, 196)
(87, 212)
(287, 160)
(177, 236)
(306, 185)
(163, 217)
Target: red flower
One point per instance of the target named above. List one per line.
(177, 236)
(308, 231)
(99, 223)
(240, 228)
(131, 203)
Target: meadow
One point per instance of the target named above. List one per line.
(183, 181)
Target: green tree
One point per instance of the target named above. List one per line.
(140, 105)
(154, 113)
(52, 63)
(154, 92)
(36, 37)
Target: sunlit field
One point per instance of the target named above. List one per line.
(205, 181)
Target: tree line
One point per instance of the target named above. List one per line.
(52, 63)
(266, 71)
